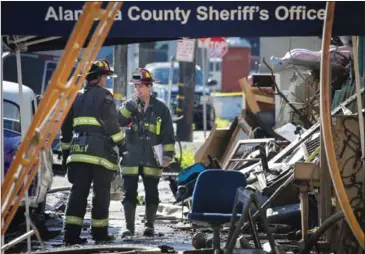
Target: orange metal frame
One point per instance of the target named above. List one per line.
(327, 129)
(56, 103)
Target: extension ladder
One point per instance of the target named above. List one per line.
(56, 103)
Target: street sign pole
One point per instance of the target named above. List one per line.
(203, 50)
(210, 47)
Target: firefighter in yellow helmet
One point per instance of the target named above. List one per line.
(149, 123)
(90, 139)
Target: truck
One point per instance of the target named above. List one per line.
(37, 70)
(12, 139)
(160, 72)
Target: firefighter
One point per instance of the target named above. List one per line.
(90, 140)
(148, 121)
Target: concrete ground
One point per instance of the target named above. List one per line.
(167, 234)
(166, 229)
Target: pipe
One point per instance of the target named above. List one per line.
(265, 205)
(330, 222)
(17, 240)
(325, 111)
(171, 78)
(23, 130)
(54, 190)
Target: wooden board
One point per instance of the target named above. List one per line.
(212, 145)
(238, 135)
(240, 143)
(250, 98)
(256, 99)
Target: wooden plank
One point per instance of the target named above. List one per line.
(250, 98)
(211, 146)
(265, 99)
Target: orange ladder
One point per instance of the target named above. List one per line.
(56, 103)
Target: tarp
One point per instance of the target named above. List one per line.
(154, 21)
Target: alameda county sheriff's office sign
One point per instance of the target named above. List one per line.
(202, 13)
(137, 21)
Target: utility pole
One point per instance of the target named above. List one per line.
(133, 64)
(120, 88)
(186, 93)
(120, 83)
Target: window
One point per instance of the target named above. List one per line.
(162, 75)
(211, 66)
(50, 68)
(109, 83)
(11, 116)
(33, 107)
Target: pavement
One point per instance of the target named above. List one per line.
(168, 225)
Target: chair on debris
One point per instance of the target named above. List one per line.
(213, 199)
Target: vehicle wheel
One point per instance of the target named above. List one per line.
(199, 124)
(210, 118)
(201, 241)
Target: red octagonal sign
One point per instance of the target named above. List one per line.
(217, 46)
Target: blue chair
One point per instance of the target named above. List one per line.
(213, 199)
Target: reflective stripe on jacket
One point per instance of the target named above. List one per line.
(145, 130)
(91, 131)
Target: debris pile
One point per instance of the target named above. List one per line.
(275, 142)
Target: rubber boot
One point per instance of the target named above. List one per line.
(72, 235)
(129, 214)
(100, 235)
(151, 211)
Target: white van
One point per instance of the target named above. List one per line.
(12, 139)
(215, 71)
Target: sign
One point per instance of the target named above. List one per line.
(185, 50)
(157, 21)
(217, 46)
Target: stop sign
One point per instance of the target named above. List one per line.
(217, 46)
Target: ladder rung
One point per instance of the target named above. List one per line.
(25, 162)
(54, 104)
(100, 13)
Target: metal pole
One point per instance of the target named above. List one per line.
(204, 94)
(23, 129)
(133, 64)
(120, 60)
(171, 77)
(2, 144)
(355, 46)
(17, 240)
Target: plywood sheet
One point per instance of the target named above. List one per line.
(212, 145)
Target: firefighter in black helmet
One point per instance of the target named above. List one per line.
(149, 125)
(91, 142)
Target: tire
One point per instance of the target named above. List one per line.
(199, 123)
(211, 117)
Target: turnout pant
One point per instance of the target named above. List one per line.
(130, 200)
(81, 175)
(130, 183)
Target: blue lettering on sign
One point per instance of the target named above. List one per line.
(203, 13)
(156, 20)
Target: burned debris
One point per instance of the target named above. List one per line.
(280, 162)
